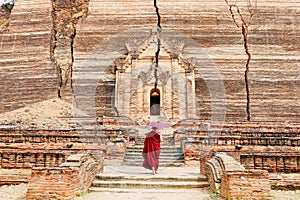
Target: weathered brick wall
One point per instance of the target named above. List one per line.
(197, 129)
(105, 98)
(250, 144)
(281, 161)
(67, 180)
(253, 185)
(53, 183)
(229, 178)
(4, 17)
(27, 74)
(272, 159)
(116, 150)
(45, 148)
(14, 176)
(203, 158)
(217, 44)
(248, 148)
(191, 153)
(40, 148)
(121, 121)
(26, 159)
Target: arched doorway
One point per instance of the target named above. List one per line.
(155, 101)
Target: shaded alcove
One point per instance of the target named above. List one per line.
(155, 101)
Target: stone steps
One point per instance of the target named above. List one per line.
(130, 176)
(163, 148)
(163, 154)
(146, 184)
(162, 157)
(162, 163)
(141, 190)
(140, 141)
(137, 182)
(169, 156)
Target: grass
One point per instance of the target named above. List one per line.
(215, 196)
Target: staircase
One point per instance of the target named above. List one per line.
(132, 179)
(136, 180)
(170, 154)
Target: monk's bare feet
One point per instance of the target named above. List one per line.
(156, 172)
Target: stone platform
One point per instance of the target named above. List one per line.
(140, 172)
(132, 182)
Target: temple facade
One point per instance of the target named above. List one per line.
(136, 95)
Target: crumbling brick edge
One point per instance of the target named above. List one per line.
(231, 180)
(66, 181)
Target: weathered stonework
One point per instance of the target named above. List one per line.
(135, 82)
(80, 50)
(26, 149)
(217, 47)
(65, 16)
(229, 178)
(66, 181)
(4, 17)
(27, 74)
(256, 146)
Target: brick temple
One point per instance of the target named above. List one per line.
(224, 75)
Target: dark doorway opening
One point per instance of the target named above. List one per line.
(155, 102)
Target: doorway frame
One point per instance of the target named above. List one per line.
(151, 96)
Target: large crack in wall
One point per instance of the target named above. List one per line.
(5, 11)
(244, 26)
(158, 44)
(66, 14)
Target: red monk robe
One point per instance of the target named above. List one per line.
(151, 150)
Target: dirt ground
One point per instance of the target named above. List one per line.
(203, 195)
(49, 114)
(18, 192)
(13, 192)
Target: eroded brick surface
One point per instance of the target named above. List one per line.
(65, 181)
(229, 178)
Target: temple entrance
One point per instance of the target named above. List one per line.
(155, 102)
(137, 97)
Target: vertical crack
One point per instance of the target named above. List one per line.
(158, 44)
(157, 13)
(244, 28)
(53, 43)
(71, 68)
(66, 15)
(5, 12)
(156, 63)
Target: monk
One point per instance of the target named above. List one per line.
(151, 151)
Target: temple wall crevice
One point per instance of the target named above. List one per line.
(66, 15)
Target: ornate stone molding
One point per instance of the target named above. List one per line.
(189, 64)
(146, 76)
(122, 63)
(134, 47)
(174, 47)
(164, 77)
